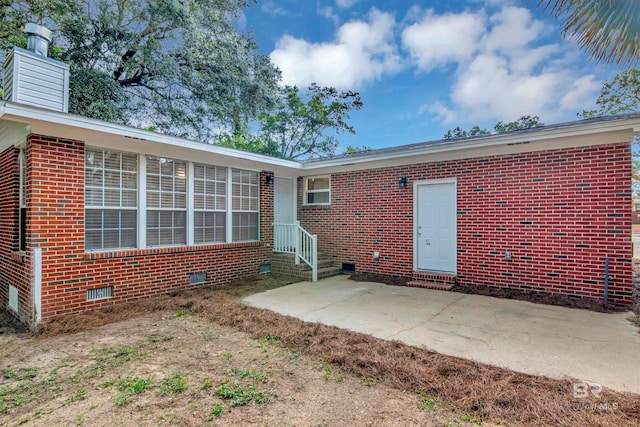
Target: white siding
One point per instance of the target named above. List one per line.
(35, 80)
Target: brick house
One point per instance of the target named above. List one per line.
(94, 213)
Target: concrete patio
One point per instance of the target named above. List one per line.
(531, 338)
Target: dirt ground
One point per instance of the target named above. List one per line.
(201, 358)
(177, 368)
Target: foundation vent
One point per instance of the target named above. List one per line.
(197, 278)
(13, 298)
(99, 293)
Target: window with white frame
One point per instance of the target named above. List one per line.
(166, 202)
(209, 203)
(111, 199)
(317, 190)
(245, 209)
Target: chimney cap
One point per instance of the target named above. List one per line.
(38, 30)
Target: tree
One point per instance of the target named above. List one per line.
(177, 66)
(524, 122)
(609, 30)
(299, 129)
(356, 149)
(620, 95)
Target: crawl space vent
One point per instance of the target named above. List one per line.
(99, 293)
(197, 278)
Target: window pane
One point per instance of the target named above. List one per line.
(321, 183)
(111, 181)
(319, 197)
(245, 226)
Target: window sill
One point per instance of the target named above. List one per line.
(319, 206)
(126, 253)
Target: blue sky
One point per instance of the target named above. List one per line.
(425, 67)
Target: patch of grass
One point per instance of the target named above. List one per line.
(471, 419)
(427, 403)
(183, 313)
(19, 373)
(242, 395)
(130, 387)
(76, 397)
(207, 384)
(154, 339)
(248, 373)
(369, 381)
(216, 411)
(227, 357)
(174, 383)
(268, 339)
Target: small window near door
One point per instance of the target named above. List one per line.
(317, 190)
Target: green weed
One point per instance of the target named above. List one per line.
(131, 387)
(216, 411)
(174, 383)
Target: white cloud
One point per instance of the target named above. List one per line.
(272, 9)
(346, 4)
(363, 51)
(500, 72)
(443, 114)
(437, 40)
(513, 28)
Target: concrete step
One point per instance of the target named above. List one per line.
(430, 285)
(285, 264)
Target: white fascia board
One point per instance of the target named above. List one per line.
(79, 125)
(526, 140)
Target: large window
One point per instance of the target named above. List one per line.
(111, 199)
(244, 205)
(209, 203)
(166, 202)
(317, 190)
(178, 202)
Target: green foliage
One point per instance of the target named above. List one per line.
(618, 96)
(356, 149)
(524, 122)
(130, 387)
(179, 67)
(174, 383)
(606, 29)
(241, 395)
(621, 96)
(216, 411)
(299, 129)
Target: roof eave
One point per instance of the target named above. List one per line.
(26, 114)
(483, 142)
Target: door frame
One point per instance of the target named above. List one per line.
(416, 185)
(294, 196)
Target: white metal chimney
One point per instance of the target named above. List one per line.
(38, 38)
(31, 78)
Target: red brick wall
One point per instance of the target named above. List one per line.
(57, 226)
(560, 213)
(14, 266)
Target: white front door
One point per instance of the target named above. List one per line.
(283, 206)
(435, 227)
